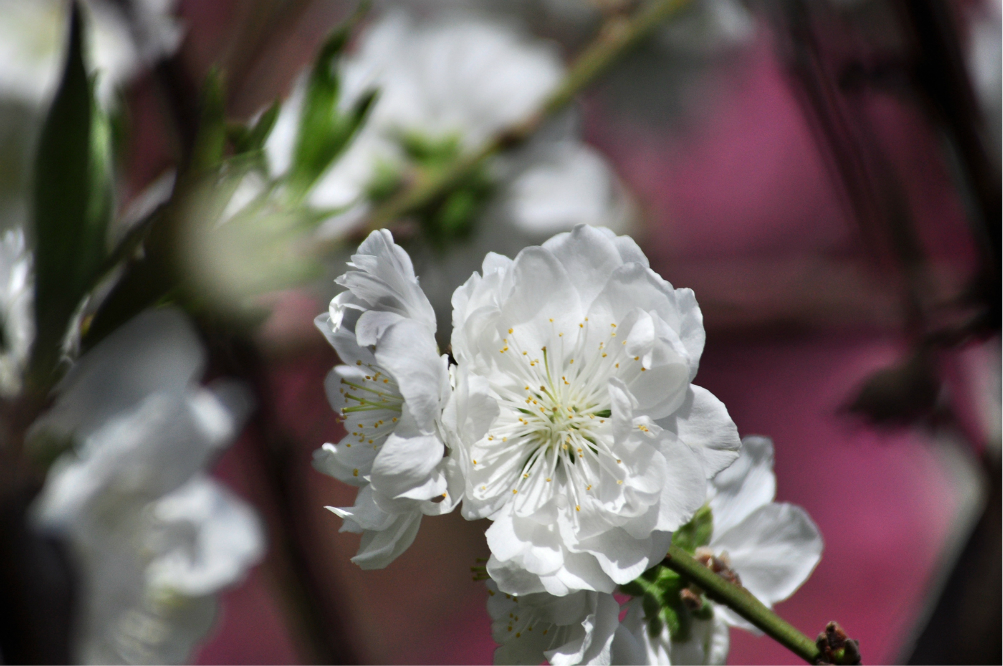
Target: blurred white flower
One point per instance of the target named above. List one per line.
(573, 629)
(463, 78)
(581, 434)
(154, 538)
(391, 393)
(772, 547)
(456, 79)
(33, 44)
(17, 319)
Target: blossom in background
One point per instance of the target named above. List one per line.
(771, 547)
(154, 538)
(446, 84)
(32, 44)
(17, 321)
(580, 433)
(573, 629)
(391, 393)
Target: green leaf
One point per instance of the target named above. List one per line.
(324, 130)
(697, 532)
(210, 140)
(72, 204)
(252, 139)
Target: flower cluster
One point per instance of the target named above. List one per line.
(566, 415)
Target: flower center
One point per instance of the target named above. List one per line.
(372, 404)
(553, 435)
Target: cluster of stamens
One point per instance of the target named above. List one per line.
(372, 405)
(555, 425)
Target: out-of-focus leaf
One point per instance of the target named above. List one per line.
(210, 140)
(324, 130)
(252, 139)
(72, 205)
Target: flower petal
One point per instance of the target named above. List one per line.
(746, 485)
(773, 550)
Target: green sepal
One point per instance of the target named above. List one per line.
(705, 612)
(697, 532)
(73, 202)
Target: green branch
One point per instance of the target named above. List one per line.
(742, 602)
(617, 37)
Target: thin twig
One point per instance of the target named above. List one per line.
(742, 602)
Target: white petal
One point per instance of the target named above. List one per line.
(156, 352)
(378, 549)
(588, 256)
(385, 280)
(405, 464)
(773, 550)
(746, 485)
(703, 424)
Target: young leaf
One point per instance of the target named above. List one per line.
(324, 130)
(72, 204)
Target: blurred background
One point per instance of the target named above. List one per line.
(824, 175)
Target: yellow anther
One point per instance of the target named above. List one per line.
(578, 508)
(355, 472)
(515, 492)
(358, 363)
(510, 330)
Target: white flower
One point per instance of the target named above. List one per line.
(772, 547)
(426, 89)
(573, 629)
(391, 392)
(17, 319)
(581, 435)
(33, 43)
(153, 537)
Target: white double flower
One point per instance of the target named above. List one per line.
(573, 422)
(584, 441)
(391, 392)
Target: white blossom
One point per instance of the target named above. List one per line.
(33, 44)
(580, 432)
(574, 629)
(391, 393)
(153, 537)
(772, 547)
(17, 319)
